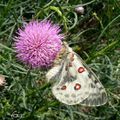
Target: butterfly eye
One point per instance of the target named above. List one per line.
(81, 69)
(63, 87)
(77, 86)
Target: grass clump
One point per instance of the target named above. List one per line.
(95, 36)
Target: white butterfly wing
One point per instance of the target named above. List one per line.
(97, 94)
(53, 72)
(70, 87)
(76, 83)
(67, 89)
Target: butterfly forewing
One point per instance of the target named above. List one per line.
(70, 90)
(97, 93)
(76, 83)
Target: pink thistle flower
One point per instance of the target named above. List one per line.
(38, 43)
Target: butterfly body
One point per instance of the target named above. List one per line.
(75, 82)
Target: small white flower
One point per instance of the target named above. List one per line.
(2, 80)
(80, 9)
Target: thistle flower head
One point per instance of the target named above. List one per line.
(38, 43)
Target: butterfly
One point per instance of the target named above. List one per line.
(74, 82)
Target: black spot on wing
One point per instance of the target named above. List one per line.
(96, 81)
(68, 78)
(101, 88)
(92, 85)
(90, 75)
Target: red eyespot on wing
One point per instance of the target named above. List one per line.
(63, 87)
(81, 69)
(77, 86)
(70, 64)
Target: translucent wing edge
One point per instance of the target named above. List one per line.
(98, 99)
